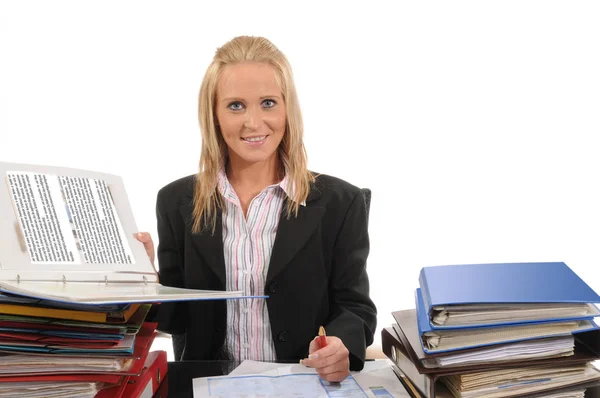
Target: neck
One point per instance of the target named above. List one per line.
(253, 176)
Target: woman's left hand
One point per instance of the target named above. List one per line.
(331, 362)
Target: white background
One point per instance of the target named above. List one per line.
(474, 123)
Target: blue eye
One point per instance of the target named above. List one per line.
(235, 106)
(269, 103)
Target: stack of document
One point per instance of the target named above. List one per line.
(60, 349)
(75, 287)
(498, 330)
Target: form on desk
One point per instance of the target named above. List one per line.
(262, 379)
(297, 385)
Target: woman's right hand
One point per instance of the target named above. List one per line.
(146, 239)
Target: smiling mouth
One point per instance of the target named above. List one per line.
(255, 138)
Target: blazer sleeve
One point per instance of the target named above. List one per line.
(171, 317)
(353, 314)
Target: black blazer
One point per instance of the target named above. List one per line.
(316, 275)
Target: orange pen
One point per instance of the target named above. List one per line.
(322, 337)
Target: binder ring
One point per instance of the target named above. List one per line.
(64, 279)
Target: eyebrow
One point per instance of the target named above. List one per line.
(241, 99)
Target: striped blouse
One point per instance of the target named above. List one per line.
(247, 244)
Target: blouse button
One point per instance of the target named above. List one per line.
(273, 287)
(283, 336)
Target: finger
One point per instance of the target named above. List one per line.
(341, 366)
(324, 356)
(146, 239)
(143, 237)
(314, 346)
(335, 363)
(337, 377)
(318, 362)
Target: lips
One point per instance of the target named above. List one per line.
(255, 141)
(255, 138)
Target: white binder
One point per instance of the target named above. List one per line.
(68, 235)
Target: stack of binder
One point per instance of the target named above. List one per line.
(498, 330)
(75, 288)
(59, 349)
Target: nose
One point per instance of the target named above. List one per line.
(252, 119)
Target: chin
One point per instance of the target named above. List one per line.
(256, 157)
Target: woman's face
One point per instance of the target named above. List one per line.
(250, 112)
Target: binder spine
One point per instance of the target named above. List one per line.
(425, 384)
(425, 291)
(423, 324)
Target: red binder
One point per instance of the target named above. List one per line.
(147, 382)
(143, 385)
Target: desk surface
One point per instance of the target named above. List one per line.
(178, 382)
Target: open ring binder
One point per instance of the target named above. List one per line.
(68, 235)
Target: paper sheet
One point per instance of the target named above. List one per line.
(544, 348)
(263, 379)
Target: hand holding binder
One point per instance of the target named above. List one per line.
(68, 235)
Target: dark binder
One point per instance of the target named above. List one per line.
(429, 385)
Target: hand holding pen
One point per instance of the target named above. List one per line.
(329, 356)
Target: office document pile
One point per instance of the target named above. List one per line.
(76, 287)
(60, 350)
(498, 330)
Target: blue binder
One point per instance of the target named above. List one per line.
(424, 326)
(513, 283)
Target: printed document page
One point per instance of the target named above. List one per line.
(67, 224)
(68, 219)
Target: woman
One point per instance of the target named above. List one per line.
(255, 219)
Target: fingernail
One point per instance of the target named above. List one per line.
(313, 356)
(301, 362)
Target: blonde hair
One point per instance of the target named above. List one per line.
(292, 154)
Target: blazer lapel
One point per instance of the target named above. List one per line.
(207, 245)
(293, 233)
